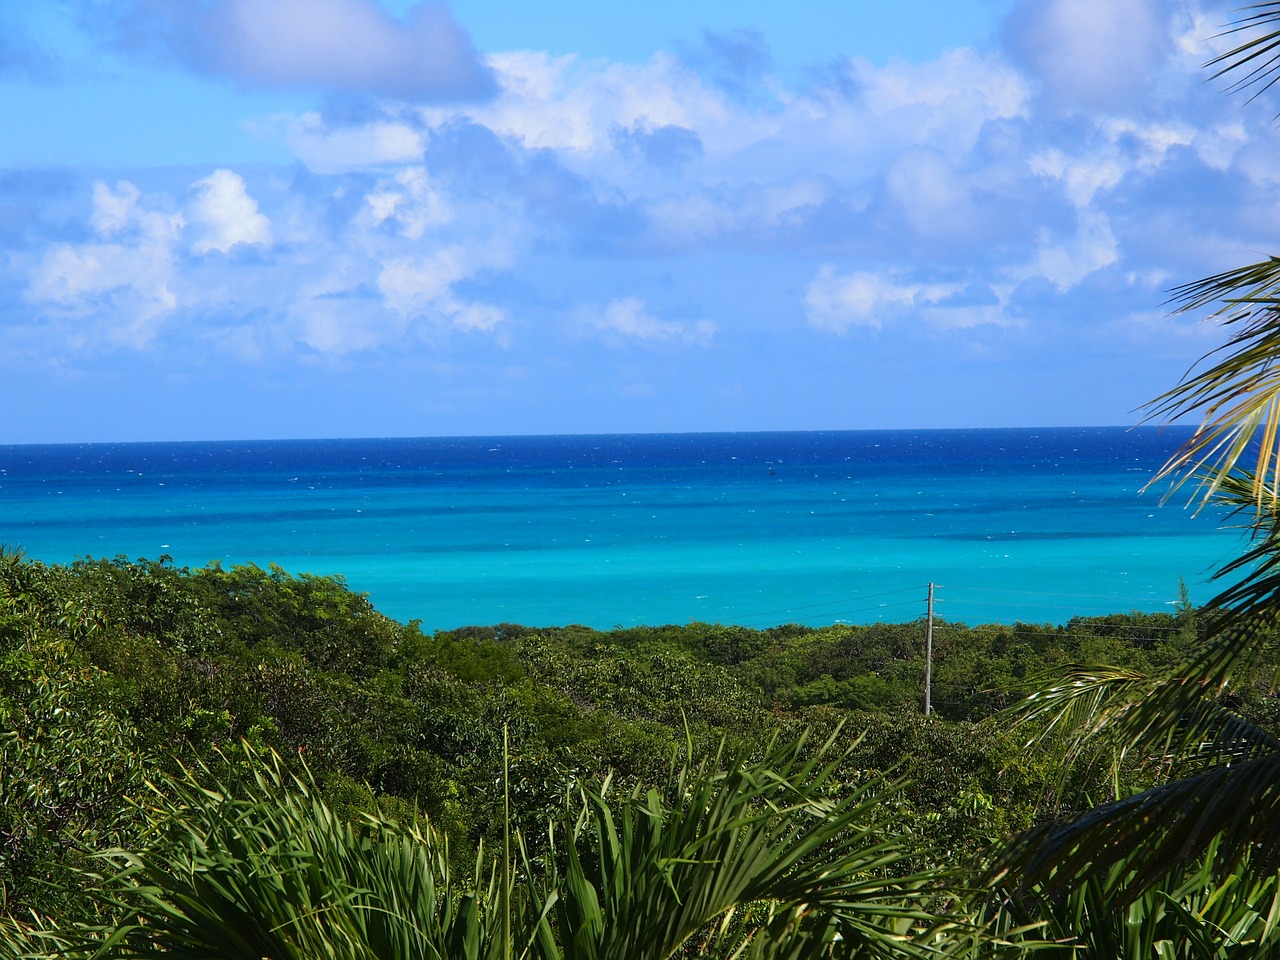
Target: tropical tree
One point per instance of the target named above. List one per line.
(1218, 796)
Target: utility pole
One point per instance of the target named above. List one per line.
(928, 657)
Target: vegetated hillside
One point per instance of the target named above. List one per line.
(112, 670)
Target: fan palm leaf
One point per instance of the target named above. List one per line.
(645, 876)
(1220, 773)
(246, 871)
(775, 857)
(1236, 390)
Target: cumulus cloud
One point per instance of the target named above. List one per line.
(568, 104)
(223, 214)
(630, 319)
(836, 302)
(409, 202)
(425, 286)
(360, 275)
(698, 179)
(114, 210)
(946, 101)
(931, 192)
(345, 46)
(331, 148)
(116, 288)
(1092, 54)
(1065, 262)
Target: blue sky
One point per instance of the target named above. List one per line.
(306, 218)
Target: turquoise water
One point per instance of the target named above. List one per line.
(754, 529)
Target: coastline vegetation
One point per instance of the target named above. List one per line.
(166, 733)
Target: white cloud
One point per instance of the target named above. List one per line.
(931, 192)
(503, 217)
(117, 290)
(411, 202)
(967, 84)
(337, 327)
(330, 149)
(1154, 140)
(630, 319)
(333, 45)
(1082, 178)
(414, 283)
(837, 302)
(223, 215)
(1122, 147)
(423, 287)
(575, 106)
(113, 211)
(1218, 146)
(1092, 54)
(1065, 263)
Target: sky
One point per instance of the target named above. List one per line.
(343, 218)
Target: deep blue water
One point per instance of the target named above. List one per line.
(749, 528)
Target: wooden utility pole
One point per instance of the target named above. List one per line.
(928, 657)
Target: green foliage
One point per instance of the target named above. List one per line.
(769, 858)
(67, 767)
(1191, 915)
(112, 670)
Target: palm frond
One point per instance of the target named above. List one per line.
(769, 857)
(247, 870)
(1174, 721)
(1226, 790)
(1233, 809)
(1187, 915)
(781, 836)
(1258, 57)
(1237, 395)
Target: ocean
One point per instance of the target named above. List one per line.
(755, 529)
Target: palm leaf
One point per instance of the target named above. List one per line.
(1227, 787)
(1237, 393)
(770, 857)
(1226, 792)
(781, 836)
(1232, 809)
(264, 869)
(1174, 720)
(1189, 914)
(1258, 57)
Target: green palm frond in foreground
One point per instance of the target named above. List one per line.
(1187, 915)
(1220, 788)
(1234, 390)
(773, 858)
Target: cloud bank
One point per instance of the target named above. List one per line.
(1017, 201)
(335, 46)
